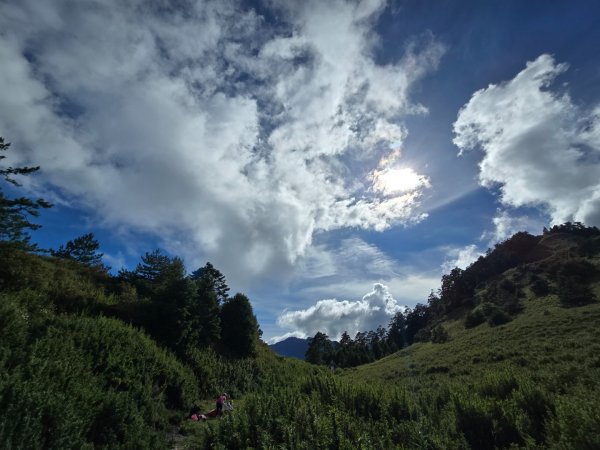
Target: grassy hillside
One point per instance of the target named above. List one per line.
(546, 339)
(71, 377)
(515, 364)
(525, 377)
(530, 383)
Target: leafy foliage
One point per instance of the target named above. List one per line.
(70, 381)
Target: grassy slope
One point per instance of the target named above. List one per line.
(546, 340)
(549, 346)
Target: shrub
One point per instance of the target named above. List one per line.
(475, 422)
(423, 335)
(540, 287)
(574, 293)
(76, 382)
(495, 315)
(474, 318)
(439, 335)
(538, 408)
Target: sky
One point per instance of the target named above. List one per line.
(332, 159)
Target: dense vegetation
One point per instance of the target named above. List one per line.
(525, 376)
(504, 355)
(561, 262)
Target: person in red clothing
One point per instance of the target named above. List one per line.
(221, 399)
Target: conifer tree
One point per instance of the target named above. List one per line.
(319, 350)
(15, 212)
(83, 249)
(239, 328)
(213, 280)
(208, 317)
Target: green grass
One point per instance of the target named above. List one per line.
(71, 378)
(529, 383)
(544, 340)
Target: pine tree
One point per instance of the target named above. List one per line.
(208, 318)
(15, 212)
(239, 328)
(83, 249)
(396, 334)
(213, 280)
(320, 349)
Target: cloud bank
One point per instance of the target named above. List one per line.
(539, 147)
(461, 258)
(333, 317)
(233, 136)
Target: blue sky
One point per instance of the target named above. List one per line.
(333, 159)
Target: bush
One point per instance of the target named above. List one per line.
(423, 335)
(474, 318)
(495, 315)
(574, 293)
(439, 335)
(540, 287)
(578, 268)
(76, 382)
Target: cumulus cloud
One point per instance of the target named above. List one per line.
(283, 337)
(539, 147)
(341, 272)
(231, 137)
(333, 317)
(505, 225)
(461, 257)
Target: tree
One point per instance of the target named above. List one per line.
(239, 328)
(15, 212)
(207, 314)
(396, 334)
(416, 320)
(82, 249)
(213, 280)
(320, 349)
(157, 267)
(342, 354)
(155, 270)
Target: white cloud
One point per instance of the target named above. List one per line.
(539, 147)
(353, 259)
(283, 337)
(116, 262)
(461, 258)
(505, 225)
(225, 135)
(333, 317)
(342, 272)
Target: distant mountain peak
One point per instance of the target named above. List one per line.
(293, 347)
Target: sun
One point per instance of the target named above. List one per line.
(397, 181)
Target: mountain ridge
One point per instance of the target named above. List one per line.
(292, 347)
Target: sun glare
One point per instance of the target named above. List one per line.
(393, 181)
